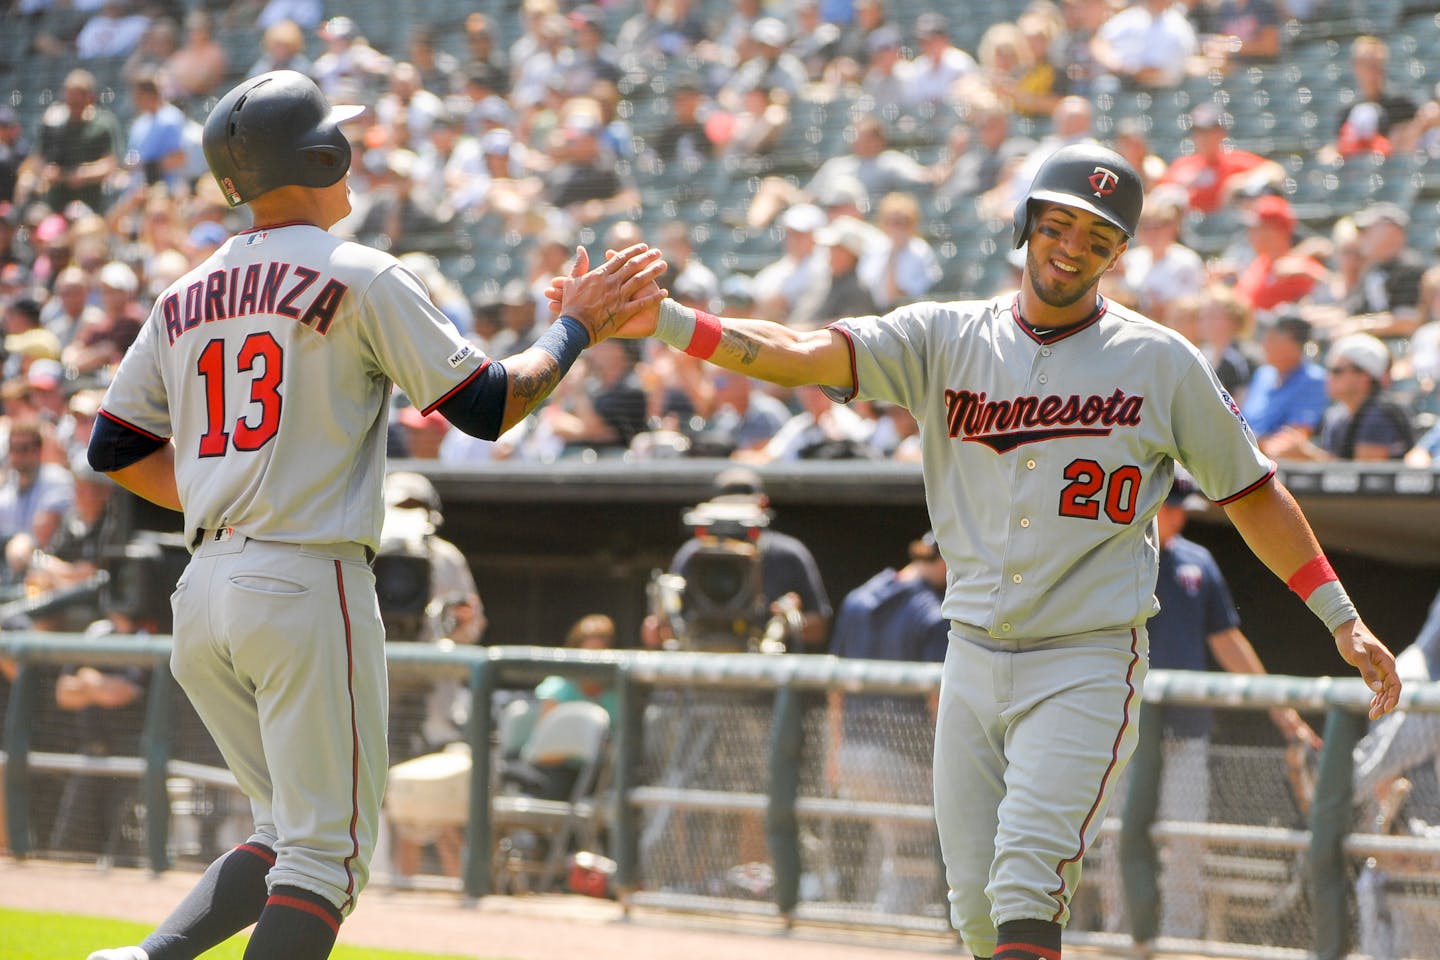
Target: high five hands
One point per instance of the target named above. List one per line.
(621, 297)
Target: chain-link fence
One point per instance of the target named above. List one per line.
(789, 786)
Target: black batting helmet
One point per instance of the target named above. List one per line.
(276, 130)
(1088, 177)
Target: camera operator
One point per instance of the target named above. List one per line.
(789, 592)
(427, 595)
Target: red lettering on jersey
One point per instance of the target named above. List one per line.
(194, 304)
(215, 297)
(323, 307)
(170, 310)
(287, 306)
(274, 276)
(1003, 425)
(249, 290)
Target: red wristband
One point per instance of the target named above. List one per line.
(1311, 575)
(706, 336)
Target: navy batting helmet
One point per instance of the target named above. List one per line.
(1088, 177)
(276, 130)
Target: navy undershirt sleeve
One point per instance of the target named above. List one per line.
(113, 445)
(478, 407)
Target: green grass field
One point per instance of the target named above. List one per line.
(61, 936)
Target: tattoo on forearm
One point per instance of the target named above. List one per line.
(742, 346)
(529, 387)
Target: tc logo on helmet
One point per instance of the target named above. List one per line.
(1104, 181)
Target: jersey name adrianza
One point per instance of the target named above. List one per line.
(275, 288)
(996, 423)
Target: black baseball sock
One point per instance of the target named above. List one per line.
(1028, 940)
(228, 898)
(295, 925)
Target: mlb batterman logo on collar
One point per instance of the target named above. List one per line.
(1088, 177)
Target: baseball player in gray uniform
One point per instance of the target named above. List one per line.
(1051, 422)
(255, 401)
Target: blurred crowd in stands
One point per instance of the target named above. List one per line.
(800, 160)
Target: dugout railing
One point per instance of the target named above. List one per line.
(721, 794)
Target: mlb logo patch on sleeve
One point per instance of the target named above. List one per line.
(458, 357)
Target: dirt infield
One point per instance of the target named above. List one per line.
(507, 928)
(514, 928)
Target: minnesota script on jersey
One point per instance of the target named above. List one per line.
(287, 326)
(1076, 432)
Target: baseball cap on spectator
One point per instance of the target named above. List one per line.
(844, 232)
(737, 290)
(51, 228)
(803, 218)
(338, 28)
(587, 15)
(45, 374)
(843, 191)
(882, 38)
(118, 276)
(739, 482)
(931, 25)
(86, 403)
(1382, 212)
(404, 486)
(1206, 115)
(38, 344)
(411, 417)
(1272, 211)
(1361, 350)
(770, 31)
(497, 142)
(494, 109)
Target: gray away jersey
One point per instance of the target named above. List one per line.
(270, 365)
(1046, 459)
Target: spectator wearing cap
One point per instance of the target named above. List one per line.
(1288, 390)
(111, 31)
(846, 240)
(282, 47)
(46, 380)
(78, 149)
(14, 148)
(439, 70)
(858, 41)
(1277, 275)
(1363, 422)
(204, 239)
(1157, 267)
(420, 433)
(101, 342)
(753, 129)
(1147, 45)
(156, 143)
(744, 416)
(884, 77)
(771, 66)
(938, 64)
(543, 68)
(349, 69)
(1215, 170)
(26, 339)
(790, 289)
(901, 267)
(450, 169)
(1387, 293)
(1389, 110)
(1074, 48)
(89, 532)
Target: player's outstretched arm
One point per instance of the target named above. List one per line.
(594, 304)
(1278, 534)
(756, 348)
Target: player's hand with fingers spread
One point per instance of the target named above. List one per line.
(639, 320)
(1362, 650)
(604, 298)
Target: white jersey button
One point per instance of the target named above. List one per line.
(1024, 521)
(1045, 352)
(1005, 628)
(1029, 464)
(1044, 379)
(1017, 578)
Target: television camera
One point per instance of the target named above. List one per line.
(719, 606)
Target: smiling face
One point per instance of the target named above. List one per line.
(1067, 252)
